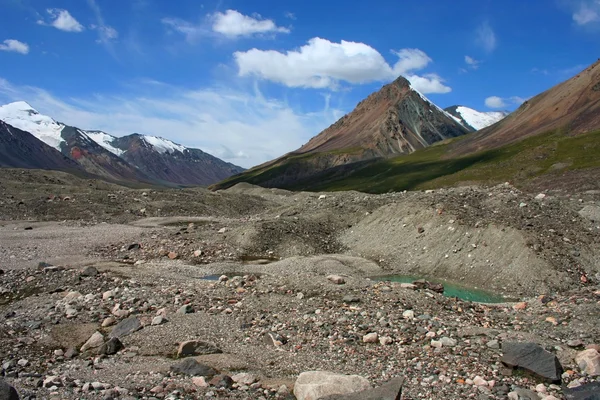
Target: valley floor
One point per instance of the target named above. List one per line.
(114, 259)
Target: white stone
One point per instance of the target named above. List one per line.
(244, 378)
(370, 338)
(408, 314)
(589, 361)
(95, 341)
(337, 279)
(313, 385)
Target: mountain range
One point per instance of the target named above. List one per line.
(132, 158)
(397, 139)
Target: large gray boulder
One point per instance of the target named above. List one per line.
(392, 390)
(196, 348)
(7, 392)
(590, 391)
(532, 358)
(126, 327)
(191, 367)
(313, 385)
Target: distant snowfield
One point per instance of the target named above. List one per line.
(478, 119)
(104, 140)
(24, 117)
(163, 145)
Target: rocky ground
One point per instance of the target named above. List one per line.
(103, 291)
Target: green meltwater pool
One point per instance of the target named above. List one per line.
(451, 289)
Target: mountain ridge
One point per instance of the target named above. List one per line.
(395, 120)
(104, 155)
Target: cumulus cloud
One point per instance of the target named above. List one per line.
(587, 12)
(14, 46)
(500, 102)
(486, 37)
(243, 127)
(62, 20)
(323, 64)
(232, 23)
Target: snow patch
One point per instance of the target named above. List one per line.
(24, 117)
(105, 140)
(163, 145)
(478, 119)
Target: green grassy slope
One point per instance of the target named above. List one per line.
(542, 155)
(427, 169)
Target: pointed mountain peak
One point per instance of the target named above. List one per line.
(19, 106)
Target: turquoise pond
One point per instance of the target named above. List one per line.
(451, 289)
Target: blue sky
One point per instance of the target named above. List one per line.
(249, 81)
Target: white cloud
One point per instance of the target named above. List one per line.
(495, 102)
(485, 37)
(14, 46)
(105, 33)
(500, 102)
(323, 64)
(233, 24)
(241, 127)
(290, 15)
(587, 12)
(63, 20)
(471, 62)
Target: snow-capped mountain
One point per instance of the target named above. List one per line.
(475, 120)
(135, 157)
(21, 115)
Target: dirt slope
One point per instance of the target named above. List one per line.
(573, 106)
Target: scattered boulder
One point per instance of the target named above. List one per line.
(313, 385)
(244, 378)
(196, 348)
(534, 359)
(337, 279)
(113, 346)
(274, 339)
(590, 391)
(93, 343)
(391, 390)
(89, 271)
(434, 287)
(7, 392)
(158, 320)
(350, 298)
(185, 309)
(221, 381)
(523, 394)
(191, 367)
(126, 327)
(370, 338)
(589, 362)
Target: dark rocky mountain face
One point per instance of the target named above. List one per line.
(96, 160)
(395, 120)
(184, 166)
(20, 149)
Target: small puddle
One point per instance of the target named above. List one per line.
(451, 289)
